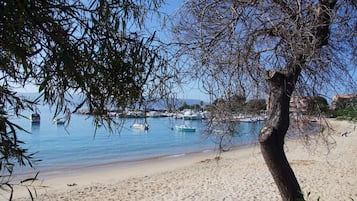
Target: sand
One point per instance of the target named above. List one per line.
(325, 172)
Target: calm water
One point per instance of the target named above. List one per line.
(61, 147)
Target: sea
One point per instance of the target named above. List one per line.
(80, 144)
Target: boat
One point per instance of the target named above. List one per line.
(178, 116)
(134, 114)
(59, 121)
(262, 118)
(190, 115)
(154, 114)
(248, 120)
(140, 126)
(35, 118)
(185, 128)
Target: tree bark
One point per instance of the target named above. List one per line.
(282, 84)
(272, 136)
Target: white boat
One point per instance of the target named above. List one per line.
(154, 114)
(248, 120)
(261, 118)
(59, 121)
(185, 128)
(189, 115)
(140, 126)
(178, 116)
(204, 115)
(35, 118)
(134, 114)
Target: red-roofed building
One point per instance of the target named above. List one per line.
(342, 101)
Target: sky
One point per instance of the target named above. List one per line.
(191, 90)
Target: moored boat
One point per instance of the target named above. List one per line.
(59, 121)
(140, 126)
(190, 115)
(185, 128)
(35, 118)
(248, 120)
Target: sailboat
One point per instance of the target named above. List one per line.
(141, 126)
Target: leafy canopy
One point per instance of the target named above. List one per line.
(98, 49)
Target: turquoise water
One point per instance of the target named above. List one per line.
(61, 147)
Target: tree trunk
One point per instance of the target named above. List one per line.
(282, 85)
(272, 136)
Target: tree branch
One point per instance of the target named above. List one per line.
(324, 21)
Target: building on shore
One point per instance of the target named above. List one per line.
(342, 101)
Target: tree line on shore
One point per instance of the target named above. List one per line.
(316, 105)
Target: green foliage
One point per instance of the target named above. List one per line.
(238, 104)
(235, 103)
(343, 103)
(349, 113)
(89, 48)
(255, 105)
(184, 106)
(318, 105)
(195, 107)
(11, 151)
(94, 48)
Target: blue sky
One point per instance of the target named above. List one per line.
(191, 90)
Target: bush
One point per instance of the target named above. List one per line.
(349, 114)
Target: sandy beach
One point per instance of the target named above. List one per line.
(325, 172)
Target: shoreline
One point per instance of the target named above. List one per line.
(108, 166)
(127, 164)
(239, 174)
(106, 148)
(122, 164)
